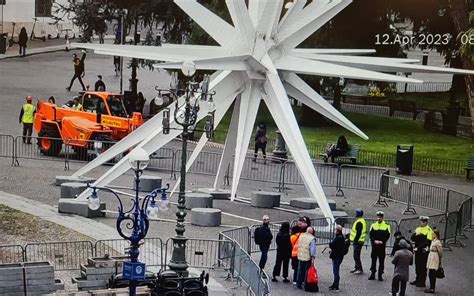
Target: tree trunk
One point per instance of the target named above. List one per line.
(460, 15)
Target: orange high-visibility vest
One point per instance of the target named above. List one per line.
(294, 243)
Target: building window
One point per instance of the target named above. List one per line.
(43, 8)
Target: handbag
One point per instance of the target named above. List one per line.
(312, 280)
(440, 272)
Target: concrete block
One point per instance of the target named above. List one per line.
(216, 194)
(44, 267)
(72, 190)
(86, 284)
(148, 183)
(73, 206)
(13, 283)
(58, 284)
(91, 270)
(11, 268)
(96, 277)
(68, 179)
(35, 282)
(206, 217)
(12, 290)
(40, 289)
(304, 203)
(312, 214)
(198, 200)
(11, 277)
(265, 199)
(115, 262)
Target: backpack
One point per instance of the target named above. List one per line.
(256, 236)
(345, 250)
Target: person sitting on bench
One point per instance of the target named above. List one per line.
(339, 149)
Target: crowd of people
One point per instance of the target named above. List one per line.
(298, 246)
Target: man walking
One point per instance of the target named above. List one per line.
(422, 238)
(27, 115)
(379, 235)
(339, 249)
(306, 255)
(263, 238)
(357, 237)
(79, 68)
(402, 260)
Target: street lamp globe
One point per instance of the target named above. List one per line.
(188, 68)
(138, 159)
(211, 105)
(159, 100)
(93, 202)
(152, 210)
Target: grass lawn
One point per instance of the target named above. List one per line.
(384, 135)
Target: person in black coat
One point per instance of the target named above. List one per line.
(339, 247)
(99, 84)
(79, 70)
(22, 40)
(283, 252)
(396, 245)
(339, 149)
(263, 238)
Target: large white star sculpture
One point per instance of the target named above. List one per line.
(257, 59)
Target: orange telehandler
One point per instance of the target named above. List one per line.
(101, 121)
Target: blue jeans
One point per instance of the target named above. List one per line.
(336, 264)
(263, 258)
(303, 267)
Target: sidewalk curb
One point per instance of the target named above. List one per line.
(45, 50)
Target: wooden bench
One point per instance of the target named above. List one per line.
(351, 155)
(469, 166)
(406, 106)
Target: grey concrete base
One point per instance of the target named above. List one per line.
(198, 200)
(72, 190)
(304, 203)
(73, 206)
(70, 179)
(148, 183)
(206, 217)
(312, 213)
(216, 194)
(265, 199)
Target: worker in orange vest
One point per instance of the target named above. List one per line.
(296, 231)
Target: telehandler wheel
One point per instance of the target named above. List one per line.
(49, 142)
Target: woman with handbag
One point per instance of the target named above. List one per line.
(434, 261)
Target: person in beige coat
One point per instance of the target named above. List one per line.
(434, 260)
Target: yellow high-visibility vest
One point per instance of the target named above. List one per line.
(380, 226)
(28, 111)
(78, 107)
(425, 230)
(354, 231)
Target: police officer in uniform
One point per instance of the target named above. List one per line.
(422, 238)
(27, 115)
(379, 235)
(357, 237)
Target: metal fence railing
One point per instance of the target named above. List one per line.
(11, 254)
(207, 162)
(151, 252)
(62, 255)
(423, 87)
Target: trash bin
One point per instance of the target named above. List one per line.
(3, 43)
(404, 160)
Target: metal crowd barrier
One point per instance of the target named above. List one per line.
(62, 255)
(151, 252)
(240, 235)
(7, 147)
(11, 254)
(248, 272)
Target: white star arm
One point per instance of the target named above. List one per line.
(221, 109)
(249, 103)
(216, 27)
(255, 11)
(305, 66)
(384, 64)
(229, 146)
(169, 53)
(277, 102)
(234, 63)
(300, 90)
(353, 60)
(270, 16)
(293, 13)
(333, 51)
(294, 37)
(241, 18)
(223, 83)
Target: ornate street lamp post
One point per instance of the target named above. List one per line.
(136, 219)
(186, 118)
